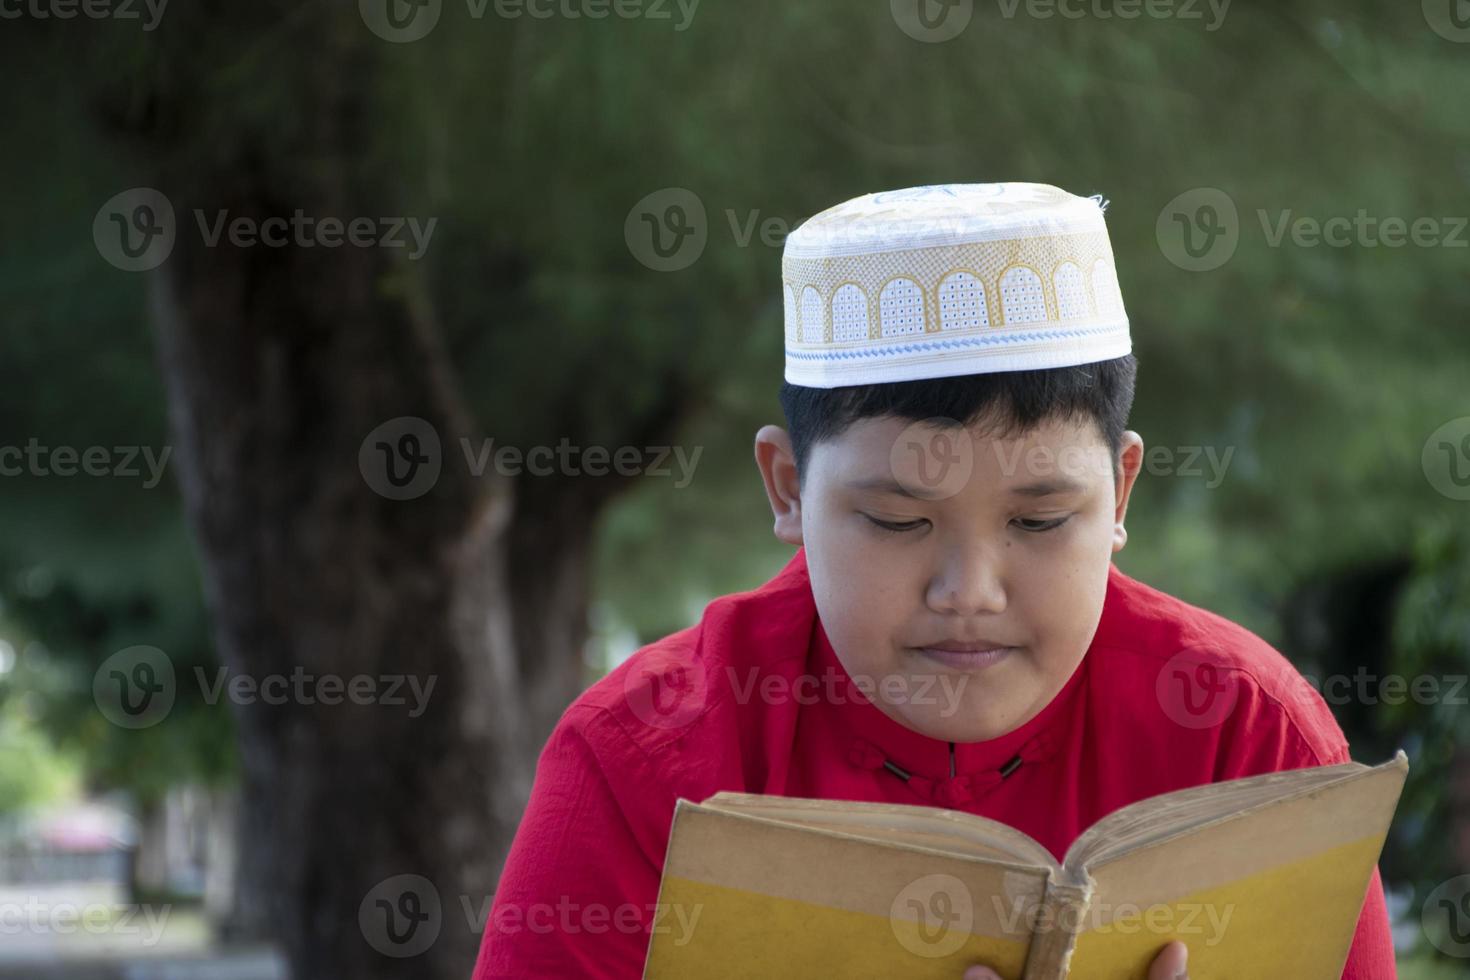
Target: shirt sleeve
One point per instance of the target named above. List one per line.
(1267, 735)
(576, 898)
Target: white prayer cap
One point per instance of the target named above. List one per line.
(951, 279)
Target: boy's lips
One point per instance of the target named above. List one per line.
(965, 656)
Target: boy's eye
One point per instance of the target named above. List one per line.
(1037, 526)
(896, 526)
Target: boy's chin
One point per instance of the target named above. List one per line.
(965, 722)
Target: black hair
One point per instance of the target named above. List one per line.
(1009, 402)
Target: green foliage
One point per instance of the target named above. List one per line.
(1323, 369)
(32, 772)
(1432, 639)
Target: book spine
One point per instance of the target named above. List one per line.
(1064, 907)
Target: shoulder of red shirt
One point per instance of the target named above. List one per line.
(1147, 637)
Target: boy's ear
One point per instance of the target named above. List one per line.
(777, 462)
(1130, 462)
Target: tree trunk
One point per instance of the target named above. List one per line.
(370, 838)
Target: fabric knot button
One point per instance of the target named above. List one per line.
(864, 755)
(953, 792)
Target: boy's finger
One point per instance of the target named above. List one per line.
(1172, 963)
(981, 973)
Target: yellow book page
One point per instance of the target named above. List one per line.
(739, 934)
(1295, 920)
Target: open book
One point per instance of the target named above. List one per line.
(1260, 877)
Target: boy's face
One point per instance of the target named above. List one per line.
(929, 543)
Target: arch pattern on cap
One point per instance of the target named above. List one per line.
(962, 303)
(954, 290)
(1071, 292)
(851, 319)
(814, 329)
(901, 308)
(1108, 296)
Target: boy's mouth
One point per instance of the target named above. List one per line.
(965, 656)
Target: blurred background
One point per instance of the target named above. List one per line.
(376, 375)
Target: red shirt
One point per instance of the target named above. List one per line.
(753, 699)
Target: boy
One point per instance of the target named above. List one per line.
(951, 630)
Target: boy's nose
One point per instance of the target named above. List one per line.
(970, 583)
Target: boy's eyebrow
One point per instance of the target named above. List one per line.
(1045, 488)
(1040, 488)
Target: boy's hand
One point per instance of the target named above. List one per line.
(1170, 964)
